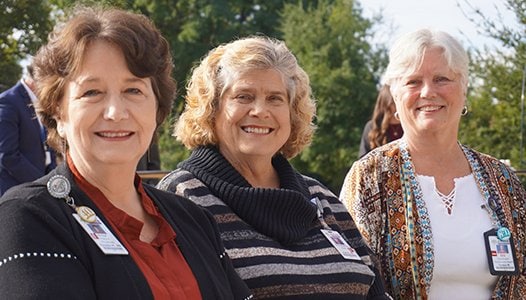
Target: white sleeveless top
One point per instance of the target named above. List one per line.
(461, 268)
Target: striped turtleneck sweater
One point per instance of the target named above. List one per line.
(273, 236)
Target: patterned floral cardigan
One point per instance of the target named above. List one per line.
(374, 194)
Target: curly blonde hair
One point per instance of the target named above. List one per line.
(217, 72)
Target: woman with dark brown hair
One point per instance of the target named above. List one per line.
(384, 127)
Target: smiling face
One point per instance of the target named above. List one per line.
(253, 119)
(430, 100)
(107, 113)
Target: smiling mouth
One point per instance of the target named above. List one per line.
(429, 108)
(114, 134)
(257, 130)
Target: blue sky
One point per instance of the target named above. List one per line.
(402, 16)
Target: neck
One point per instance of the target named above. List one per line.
(443, 160)
(258, 171)
(116, 182)
(259, 175)
(432, 147)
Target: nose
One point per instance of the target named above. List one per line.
(259, 108)
(428, 90)
(116, 109)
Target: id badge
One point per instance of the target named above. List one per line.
(102, 236)
(340, 244)
(501, 254)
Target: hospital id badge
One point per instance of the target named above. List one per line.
(102, 236)
(340, 244)
(501, 254)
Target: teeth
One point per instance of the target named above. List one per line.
(256, 130)
(113, 134)
(429, 108)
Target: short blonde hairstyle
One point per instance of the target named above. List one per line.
(407, 53)
(217, 72)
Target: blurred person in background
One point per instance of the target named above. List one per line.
(384, 126)
(24, 152)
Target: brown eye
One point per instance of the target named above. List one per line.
(133, 91)
(91, 93)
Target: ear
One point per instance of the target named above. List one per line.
(60, 128)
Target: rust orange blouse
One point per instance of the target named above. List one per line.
(160, 261)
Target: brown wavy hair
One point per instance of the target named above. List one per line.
(145, 50)
(382, 115)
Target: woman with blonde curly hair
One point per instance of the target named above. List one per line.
(249, 109)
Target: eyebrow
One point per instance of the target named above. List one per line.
(90, 79)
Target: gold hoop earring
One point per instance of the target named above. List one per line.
(464, 111)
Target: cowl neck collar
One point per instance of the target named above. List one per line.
(284, 214)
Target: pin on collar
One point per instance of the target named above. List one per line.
(59, 187)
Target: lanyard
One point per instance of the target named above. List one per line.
(490, 203)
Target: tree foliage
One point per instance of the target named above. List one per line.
(494, 124)
(330, 39)
(24, 24)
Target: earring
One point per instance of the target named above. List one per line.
(464, 111)
(64, 146)
(397, 116)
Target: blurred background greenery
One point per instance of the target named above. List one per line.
(334, 43)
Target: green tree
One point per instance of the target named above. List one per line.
(24, 24)
(493, 125)
(330, 40)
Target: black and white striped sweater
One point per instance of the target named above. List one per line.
(273, 235)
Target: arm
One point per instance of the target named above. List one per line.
(348, 228)
(200, 242)
(11, 157)
(518, 203)
(237, 285)
(353, 195)
(39, 258)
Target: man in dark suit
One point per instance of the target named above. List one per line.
(24, 155)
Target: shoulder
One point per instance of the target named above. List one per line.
(13, 92)
(25, 194)
(28, 209)
(170, 199)
(491, 164)
(185, 214)
(176, 177)
(368, 126)
(317, 187)
(383, 158)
